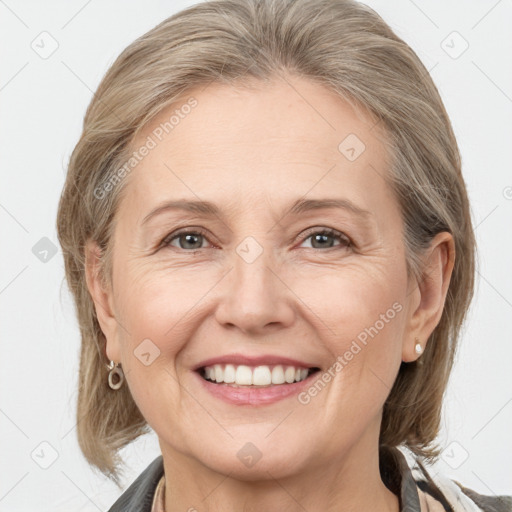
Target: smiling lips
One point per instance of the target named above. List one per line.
(254, 380)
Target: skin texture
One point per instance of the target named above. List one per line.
(253, 152)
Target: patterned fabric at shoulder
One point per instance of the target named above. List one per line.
(453, 496)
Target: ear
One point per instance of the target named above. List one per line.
(103, 299)
(429, 295)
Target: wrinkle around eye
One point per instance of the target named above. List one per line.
(153, 239)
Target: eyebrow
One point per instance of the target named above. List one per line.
(209, 209)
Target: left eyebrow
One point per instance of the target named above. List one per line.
(304, 205)
(209, 209)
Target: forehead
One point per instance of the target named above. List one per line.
(270, 140)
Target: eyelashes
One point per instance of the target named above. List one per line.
(345, 241)
(317, 235)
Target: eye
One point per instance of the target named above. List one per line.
(191, 240)
(321, 238)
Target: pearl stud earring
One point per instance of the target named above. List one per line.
(418, 348)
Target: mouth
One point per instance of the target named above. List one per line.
(261, 376)
(254, 379)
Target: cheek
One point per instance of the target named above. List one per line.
(155, 300)
(349, 300)
(152, 309)
(365, 320)
(155, 320)
(160, 309)
(359, 313)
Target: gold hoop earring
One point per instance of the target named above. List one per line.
(115, 369)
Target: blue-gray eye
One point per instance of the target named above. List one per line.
(187, 240)
(321, 239)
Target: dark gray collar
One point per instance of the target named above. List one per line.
(397, 476)
(139, 496)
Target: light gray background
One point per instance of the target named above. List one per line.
(43, 101)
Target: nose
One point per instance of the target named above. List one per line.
(256, 298)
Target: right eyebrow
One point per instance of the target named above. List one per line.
(202, 207)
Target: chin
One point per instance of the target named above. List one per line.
(254, 460)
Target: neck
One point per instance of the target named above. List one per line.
(349, 483)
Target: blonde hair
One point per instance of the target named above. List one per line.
(341, 44)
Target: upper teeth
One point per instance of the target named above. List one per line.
(243, 375)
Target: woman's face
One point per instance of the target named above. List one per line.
(273, 279)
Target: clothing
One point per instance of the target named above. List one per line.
(418, 490)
